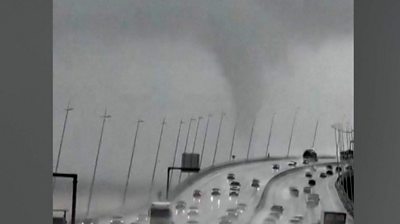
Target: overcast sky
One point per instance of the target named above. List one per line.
(177, 59)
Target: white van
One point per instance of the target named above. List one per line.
(160, 213)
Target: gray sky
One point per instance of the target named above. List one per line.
(178, 59)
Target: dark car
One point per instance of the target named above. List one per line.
(292, 163)
(235, 183)
(180, 205)
(311, 182)
(225, 220)
(322, 175)
(197, 194)
(274, 215)
(309, 155)
(294, 191)
(307, 190)
(308, 174)
(116, 220)
(233, 194)
(338, 169)
(269, 220)
(277, 208)
(275, 167)
(241, 207)
(255, 183)
(234, 188)
(232, 213)
(215, 192)
(231, 176)
(349, 167)
(329, 167)
(329, 172)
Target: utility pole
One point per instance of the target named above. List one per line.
(216, 144)
(291, 133)
(269, 135)
(68, 109)
(315, 135)
(233, 141)
(204, 139)
(187, 139)
(155, 162)
(105, 116)
(336, 143)
(176, 149)
(131, 161)
(251, 138)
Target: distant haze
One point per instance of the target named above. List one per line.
(178, 59)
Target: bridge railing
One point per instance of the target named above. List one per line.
(345, 187)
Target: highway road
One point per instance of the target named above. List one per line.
(279, 194)
(211, 209)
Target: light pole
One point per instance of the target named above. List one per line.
(269, 135)
(187, 139)
(68, 109)
(105, 116)
(336, 143)
(315, 135)
(204, 139)
(251, 138)
(155, 162)
(131, 161)
(291, 133)
(233, 141)
(195, 135)
(216, 144)
(176, 149)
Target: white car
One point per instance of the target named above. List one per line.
(193, 211)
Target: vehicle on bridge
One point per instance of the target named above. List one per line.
(117, 220)
(215, 192)
(307, 190)
(231, 177)
(309, 156)
(292, 163)
(294, 191)
(255, 183)
(180, 206)
(193, 211)
(160, 213)
(197, 194)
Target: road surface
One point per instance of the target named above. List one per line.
(211, 209)
(279, 194)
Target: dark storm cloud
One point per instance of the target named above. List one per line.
(249, 38)
(184, 58)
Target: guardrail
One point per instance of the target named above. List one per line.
(345, 188)
(205, 171)
(261, 203)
